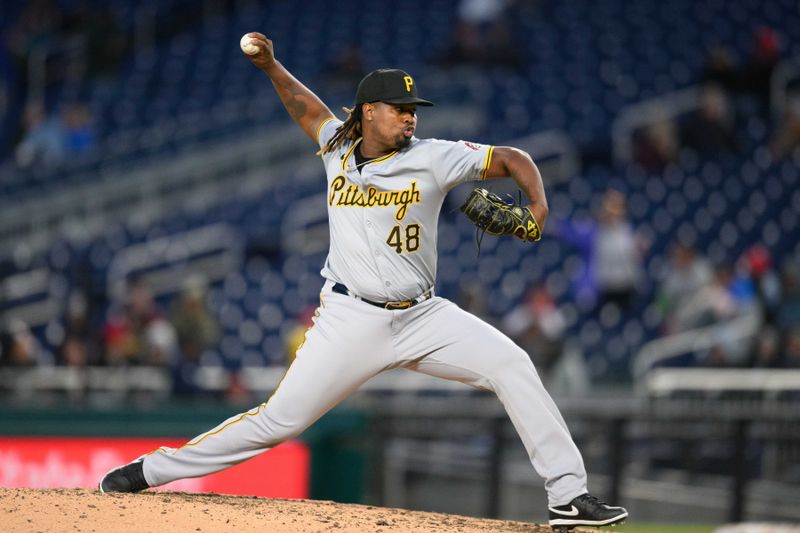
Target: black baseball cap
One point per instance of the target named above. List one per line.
(392, 86)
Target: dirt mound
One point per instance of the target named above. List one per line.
(84, 511)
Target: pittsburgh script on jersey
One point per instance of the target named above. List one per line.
(344, 193)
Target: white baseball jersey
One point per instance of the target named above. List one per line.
(384, 216)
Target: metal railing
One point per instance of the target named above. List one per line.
(641, 114)
(554, 152)
(769, 381)
(211, 251)
(152, 189)
(660, 350)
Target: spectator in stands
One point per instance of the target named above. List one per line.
(686, 273)
(43, 139)
(8, 97)
(656, 146)
(73, 352)
(482, 36)
(197, 331)
(464, 46)
(612, 254)
(137, 333)
(347, 67)
(786, 140)
(36, 25)
(788, 314)
(105, 42)
(767, 353)
(196, 328)
(49, 140)
(473, 298)
(711, 303)
(756, 263)
(79, 135)
(538, 326)
(709, 131)
(764, 56)
(728, 295)
(79, 347)
(18, 346)
(791, 349)
(720, 69)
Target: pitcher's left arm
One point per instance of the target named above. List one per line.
(508, 161)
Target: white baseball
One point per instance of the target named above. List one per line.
(247, 46)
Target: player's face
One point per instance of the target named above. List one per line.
(394, 124)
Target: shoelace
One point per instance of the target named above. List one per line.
(594, 500)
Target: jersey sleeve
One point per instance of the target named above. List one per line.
(454, 163)
(327, 129)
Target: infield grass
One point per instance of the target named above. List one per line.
(634, 527)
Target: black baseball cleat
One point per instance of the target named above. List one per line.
(126, 478)
(586, 510)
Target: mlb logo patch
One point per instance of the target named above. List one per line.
(471, 146)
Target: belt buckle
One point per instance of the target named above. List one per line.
(405, 304)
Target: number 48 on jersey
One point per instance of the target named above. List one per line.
(404, 238)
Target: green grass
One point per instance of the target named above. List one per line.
(659, 528)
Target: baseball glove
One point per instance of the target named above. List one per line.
(494, 216)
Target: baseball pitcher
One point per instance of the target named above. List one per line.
(378, 309)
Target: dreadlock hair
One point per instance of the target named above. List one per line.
(349, 130)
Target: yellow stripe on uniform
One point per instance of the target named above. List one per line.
(162, 449)
(487, 162)
(384, 158)
(305, 335)
(252, 412)
(352, 149)
(350, 152)
(319, 128)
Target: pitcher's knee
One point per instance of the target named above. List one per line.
(274, 432)
(514, 361)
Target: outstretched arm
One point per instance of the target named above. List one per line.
(303, 106)
(508, 161)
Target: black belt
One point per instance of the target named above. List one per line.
(402, 304)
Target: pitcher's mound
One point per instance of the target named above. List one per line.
(84, 511)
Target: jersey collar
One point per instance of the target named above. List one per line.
(350, 151)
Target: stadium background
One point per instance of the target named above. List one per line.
(162, 227)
